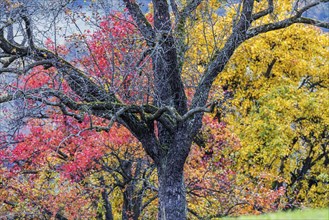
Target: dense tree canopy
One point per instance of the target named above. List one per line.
(107, 116)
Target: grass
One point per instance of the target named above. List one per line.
(307, 214)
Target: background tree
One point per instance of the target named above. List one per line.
(87, 177)
(281, 111)
(166, 123)
(268, 95)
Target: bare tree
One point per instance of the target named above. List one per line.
(167, 126)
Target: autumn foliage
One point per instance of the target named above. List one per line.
(263, 149)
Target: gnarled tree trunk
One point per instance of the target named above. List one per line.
(172, 195)
(170, 168)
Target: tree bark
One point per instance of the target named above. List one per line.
(127, 208)
(172, 193)
(107, 206)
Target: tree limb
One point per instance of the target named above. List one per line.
(27, 68)
(143, 25)
(177, 116)
(241, 32)
(190, 7)
(314, 22)
(300, 11)
(222, 56)
(174, 8)
(283, 24)
(265, 12)
(29, 30)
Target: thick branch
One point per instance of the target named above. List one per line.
(222, 57)
(79, 82)
(208, 108)
(184, 13)
(6, 98)
(10, 48)
(314, 22)
(29, 32)
(168, 85)
(8, 23)
(182, 16)
(283, 24)
(300, 11)
(8, 61)
(190, 7)
(174, 8)
(64, 110)
(143, 25)
(265, 12)
(162, 22)
(219, 61)
(27, 68)
(112, 121)
(177, 116)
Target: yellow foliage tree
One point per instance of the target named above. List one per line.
(278, 83)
